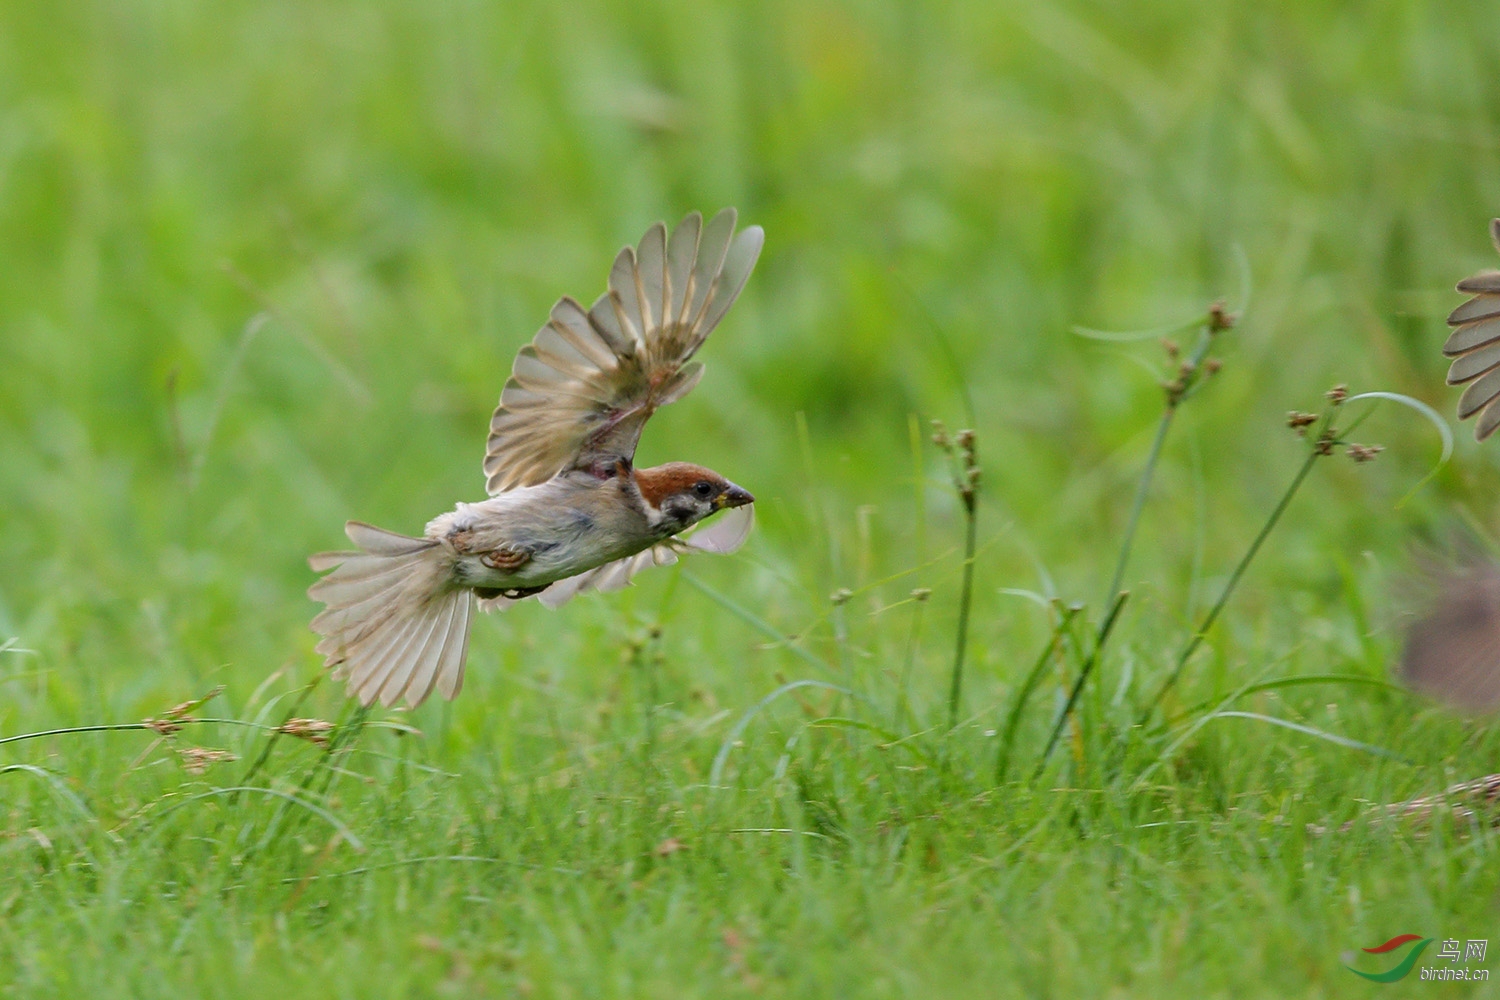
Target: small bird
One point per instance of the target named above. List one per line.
(1452, 649)
(567, 509)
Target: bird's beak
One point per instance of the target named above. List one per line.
(733, 496)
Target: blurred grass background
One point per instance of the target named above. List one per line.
(405, 188)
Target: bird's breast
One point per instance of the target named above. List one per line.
(566, 529)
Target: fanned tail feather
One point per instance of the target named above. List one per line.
(393, 624)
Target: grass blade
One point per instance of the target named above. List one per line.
(1321, 734)
(1444, 431)
(735, 731)
(755, 621)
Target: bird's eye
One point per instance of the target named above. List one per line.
(704, 489)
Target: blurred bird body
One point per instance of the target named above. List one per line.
(569, 512)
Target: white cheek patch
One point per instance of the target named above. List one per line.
(725, 533)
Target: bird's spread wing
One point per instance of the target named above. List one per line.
(585, 385)
(1474, 346)
(723, 535)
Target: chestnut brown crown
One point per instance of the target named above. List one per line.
(685, 493)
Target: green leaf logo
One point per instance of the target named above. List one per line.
(1403, 967)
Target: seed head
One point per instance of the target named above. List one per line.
(1300, 421)
(1219, 319)
(315, 731)
(196, 760)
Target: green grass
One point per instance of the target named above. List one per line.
(403, 189)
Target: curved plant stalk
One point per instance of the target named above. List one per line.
(1432, 417)
(119, 727)
(1201, 632)
(1322, 444)
(1188, 378)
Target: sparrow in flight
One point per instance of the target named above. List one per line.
(1452, 650)
(567, 509)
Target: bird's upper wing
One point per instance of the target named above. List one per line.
(1474, 346)
(585, 385)
(723, 535)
